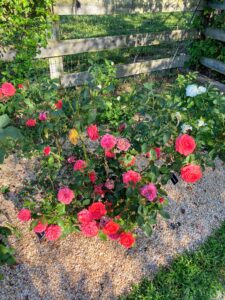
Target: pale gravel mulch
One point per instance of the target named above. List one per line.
(80, 268)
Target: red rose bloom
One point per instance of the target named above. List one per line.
(161, 200)
(97, 210)
(92, 176)
(40, 227)
(47, 150)
(31, 123)
(185, 144)
(191, 173)
(20, 86)
(8, 89)
(89, 229)
(53, 232)
(59, 104)
(126, 239)
(92, 132)
(111, 227)
(24, 215)
(110, 154)
(84, 216)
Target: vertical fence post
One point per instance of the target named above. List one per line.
(56, 63)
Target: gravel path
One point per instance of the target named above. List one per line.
(80, 268)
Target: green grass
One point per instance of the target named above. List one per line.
(193, 276)
(73, 27)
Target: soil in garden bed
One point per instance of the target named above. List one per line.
(83, 268)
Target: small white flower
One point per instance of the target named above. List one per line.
(201, 123)
(99, 86)
(112, 63)
(201, 90)
(118, 98)
(192, 90)
(186, 127)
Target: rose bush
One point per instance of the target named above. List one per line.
(103, 176)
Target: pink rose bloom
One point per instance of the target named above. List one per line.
(31, 123)
(79, 165)
(109, 184)
(110, 154)
(89, 229)
(108, 141)
(149, 191)
(71, 159)
(65, 195)
(98, 190)
(92, 176)
(131, 177)
(53, 232)
(84, 216)
(92, 132)
(47, 150)
(40, 227)
(123, 144)
(8, 89)
(24, 215)
(43, 116)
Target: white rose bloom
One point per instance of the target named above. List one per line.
(186, 127)
(201, 90)
(192, 90)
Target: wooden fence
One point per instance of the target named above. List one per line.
(56, 49)
(216, 34)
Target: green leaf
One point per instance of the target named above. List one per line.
(10, 132)
(164, 214)
(5, 231)
(61, 208)
(147, 229)
(4, 120)
(86, 202)
(102, 236)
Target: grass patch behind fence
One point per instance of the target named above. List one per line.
(75, 27)
(193, 276)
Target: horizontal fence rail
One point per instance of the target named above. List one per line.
(204, 79)
(69, 47)
(213, 64)
(216, 34)
(217, 5)
(103, 7)
(75, 79)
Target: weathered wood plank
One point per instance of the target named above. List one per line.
(56, 63)
(213, 64)
(104, 7)
(219, 5)
(68, 47)
(204, 79)
(216, 34)
(81, 78)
